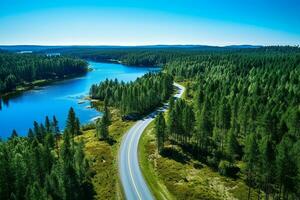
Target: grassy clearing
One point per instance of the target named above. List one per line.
(171, 179)
(103, 158)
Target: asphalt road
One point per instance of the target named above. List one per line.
(133, 182)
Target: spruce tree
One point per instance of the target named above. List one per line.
(286, 168)
(47, 124)
(232, 147)
(160, 129)
(71, 123)
(14, 134)
(102, 129)
(203, 128)
(102, 125)
(267, 160)
(251, 157)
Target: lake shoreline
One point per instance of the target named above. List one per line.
(38, 83)
(54, 97)
(44, 82)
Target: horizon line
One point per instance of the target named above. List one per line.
(146, 45)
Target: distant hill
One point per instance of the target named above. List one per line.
(37, 48)
(33, 48)
(245, 46)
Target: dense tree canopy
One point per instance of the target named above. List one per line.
(138, 97)
(18, 69)
(241, 106)
(246, 107)
(35, 167)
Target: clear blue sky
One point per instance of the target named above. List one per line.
(146, 22)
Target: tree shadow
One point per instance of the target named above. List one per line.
(88, 190)
(110, 140)
(175, 154)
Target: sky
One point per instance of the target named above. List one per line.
(149, 22)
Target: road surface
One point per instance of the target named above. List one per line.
(133, 182)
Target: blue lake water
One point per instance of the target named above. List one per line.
(20, 112)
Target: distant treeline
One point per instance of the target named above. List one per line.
(19, 69)
(138, 97)
(160, 55)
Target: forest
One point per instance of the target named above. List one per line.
(159, 56)
(135, 98)
(46, 164)
(240, 108)
(19, 69)
(240, 116)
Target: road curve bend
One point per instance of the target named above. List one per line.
(132, 180)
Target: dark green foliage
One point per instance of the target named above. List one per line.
(73, 124)
(21, 69)
(102, 125)
(180, 121)
(245, 108)
(138, 97)
(286, 168)
(246, 105)
(203, 131)
(31, 168)
(160, 130)
(14, 134)
(232, 149)
(228, 169)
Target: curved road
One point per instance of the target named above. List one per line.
(132, 180)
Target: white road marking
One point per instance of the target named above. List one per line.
(129, 165)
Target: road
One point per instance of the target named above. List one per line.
(133, 182)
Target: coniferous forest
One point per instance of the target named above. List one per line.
(138, 97)
(241, 107)
(46, 164)
(19, 69)
(240, 116)
(150, 99)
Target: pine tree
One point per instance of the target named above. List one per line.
(14, 134)
(70, 179)
(251, 157)
(203, 127)
(37, 132)
(77, 126)
(102, 125)
(56, 132)
(286, 168)
(55, 126)
(224, 122)
(102, 129)
(232, 147)
(81, 164)
(47, 124)
(6, 174)
(35, 192)
(71, 123)
(267, 160)
(30, 134)
(160, 129)
(172, 118)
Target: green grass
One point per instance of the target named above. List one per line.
(170, 179)
(146, 148)
(103, 158)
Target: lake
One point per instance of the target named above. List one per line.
(20, 112)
